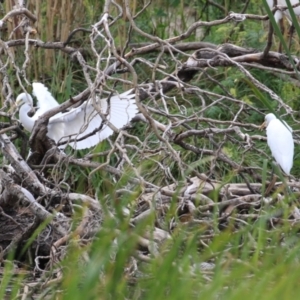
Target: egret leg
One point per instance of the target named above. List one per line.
(291, 33)
(272, 183)
(283, 177)
(282, 32)
(269, 43)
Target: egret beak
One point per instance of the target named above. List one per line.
(263, 126)
(21, 99)
(18, 103)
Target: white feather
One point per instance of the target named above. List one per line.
(44, 98)
(76, 124)
(280, 141)
(279, 14)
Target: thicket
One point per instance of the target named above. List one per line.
(177, 205)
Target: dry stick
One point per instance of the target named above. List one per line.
(28, 200)
(113, 66)
(17, 162)
(69, 38)
(44, 119)
(183, 47)
(235, 61)
(135, 82)
(207, 131)
(159, 42)
(16, 12)
(92, 89)
(21, 236)
(141, 108)
(2, 131)
(210, 57)
(79, 231)
(29, 178)
(111, 46)
(263, 87)
(242, 12)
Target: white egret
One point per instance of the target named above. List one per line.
(83, 125)
(280, 141)
(282, 3)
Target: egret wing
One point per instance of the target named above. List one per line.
(44, 98)
(85, 124)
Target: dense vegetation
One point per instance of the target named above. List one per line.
(178, 205)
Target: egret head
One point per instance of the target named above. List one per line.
(24, 98)
(268, 119)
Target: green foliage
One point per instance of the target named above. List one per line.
(255, 260)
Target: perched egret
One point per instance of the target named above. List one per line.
(279, 14)
(280, 141)
(83, 125)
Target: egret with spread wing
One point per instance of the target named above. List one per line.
(81, 127)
